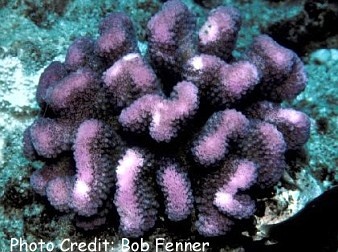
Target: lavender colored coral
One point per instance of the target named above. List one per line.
(213, 141)
(162, 116)
(221, 84)
(186, 132)
(135, 197)
(93, 145)
(221, 27)
(176, 188)
(228, 200)
(128, 78)
(117, 37)
(172, 36)
(220, 202)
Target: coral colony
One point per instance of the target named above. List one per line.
(185, 131)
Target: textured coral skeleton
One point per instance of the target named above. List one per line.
(185, 131)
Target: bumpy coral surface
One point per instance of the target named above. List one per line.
(186, 131)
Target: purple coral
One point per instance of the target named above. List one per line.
(293, 124)
(283, 74)
(58, 192)
(218, 34)
(92, 146)
(187, 108)
(50, 171)
(213, 142)
(52, 74)
(171, 36)
(128, 78)
(176, 188)
(117, 37)
(227, 199)
(265, 145)
(49, 137)
(162, 116)
(221, 84)
(64, 95)
(220, 202)
(79, 53)
(134, 197)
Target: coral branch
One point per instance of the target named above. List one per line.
(162, 116)
(176, 188)
(134, 196)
